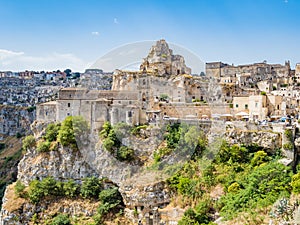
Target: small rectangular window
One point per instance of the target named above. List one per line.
(246, 106)
(236, 106)
(69, 104)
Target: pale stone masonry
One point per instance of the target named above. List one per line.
(164, 88)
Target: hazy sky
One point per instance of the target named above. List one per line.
(59, 34)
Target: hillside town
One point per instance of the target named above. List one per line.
(20, 92)
(164, 89)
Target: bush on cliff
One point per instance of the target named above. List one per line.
(52, 132)
(61, 219)
(91, 187)
(28, 142)
(43, 146)
(73, 128)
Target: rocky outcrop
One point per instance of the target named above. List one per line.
(268, 140)
(22, 212)
(62, 164)
(161, 61)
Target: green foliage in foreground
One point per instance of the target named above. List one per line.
(61, 219)
(90, 188)
(28, 142)
(52, 132)
(73, 129)
(251, 180)
(259, 188)
(111, 141)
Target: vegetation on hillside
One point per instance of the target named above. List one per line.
(110, 199)
(250, 180)
(112, 137)
(10, 155)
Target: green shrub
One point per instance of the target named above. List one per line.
(61, 219)
(111, 196)
(173, 135)
(125, 154)
(289, 135)
(35, 191)
(234, 187)
(296, 183)
(163, 97)
(91, 187)
(199, 215)
(288, 146)
(70, 188)
(160, 153)
(72, 128)
(19, 189)
(234, 153)
(43, 146)
(52, 132)
(136, 130)
(28, 142)
(259, 188)
(259, 158)
(263, 93)
(106, 128)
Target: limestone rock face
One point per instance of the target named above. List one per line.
(22, 211)
(145, 195)
(266, 139)
(62, 164)
(161, 60)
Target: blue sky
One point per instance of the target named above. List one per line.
(59, 34)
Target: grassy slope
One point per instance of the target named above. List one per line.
(9, 159)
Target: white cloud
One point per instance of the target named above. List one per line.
(116, 21)
(19, 61)
(96, 33)
(4, 54)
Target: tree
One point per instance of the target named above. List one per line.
(43, 146)
(68, 72)
(52, 132)
(91, 187)
(125, 154)
(28, 142)
(73, 128)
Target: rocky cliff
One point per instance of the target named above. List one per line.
(143, 191)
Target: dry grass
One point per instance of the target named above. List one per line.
(14, 203)
(12, 144)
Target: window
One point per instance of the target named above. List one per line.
(236, 105)
(256, 104)
(129, 114)
(69, 104)
(246, 106)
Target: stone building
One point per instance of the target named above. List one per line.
(137, 97)
(259, 107)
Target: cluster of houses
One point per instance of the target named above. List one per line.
(164, 89)
(15, 120)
